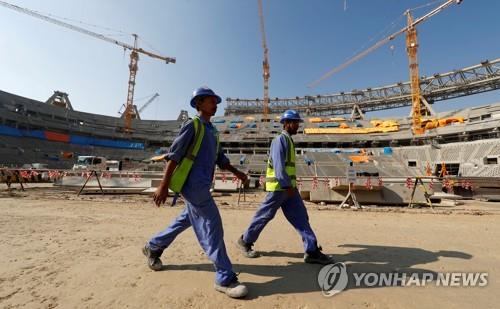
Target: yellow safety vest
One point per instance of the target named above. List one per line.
(181, 172)
(272, 183)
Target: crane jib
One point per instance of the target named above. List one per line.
(134, 58)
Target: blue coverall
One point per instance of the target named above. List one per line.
(200, 212)
(293, 207)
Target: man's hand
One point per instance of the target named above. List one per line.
(161, 194)
(241, 176)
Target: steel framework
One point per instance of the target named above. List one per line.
(467, 81)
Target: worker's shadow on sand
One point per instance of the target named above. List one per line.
(388, 259)
(299, 277)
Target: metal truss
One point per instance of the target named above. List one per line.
(467, 81)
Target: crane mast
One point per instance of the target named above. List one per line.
(134, 55)
(265, 62)
(133, 67)
(411, 48)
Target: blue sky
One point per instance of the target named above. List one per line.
(217, 43)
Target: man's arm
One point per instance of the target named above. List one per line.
(242, 176)
(181, 143)
(279, 149)
(176, 153)
(224, 163)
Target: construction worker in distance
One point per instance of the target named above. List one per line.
(281, 185)
(200, 212)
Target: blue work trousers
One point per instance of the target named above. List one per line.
(295, 212)
(207, 225)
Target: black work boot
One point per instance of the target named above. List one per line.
(246, 248)
(154, 261)
(318, 257)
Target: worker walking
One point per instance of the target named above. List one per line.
(189, 170)
(282, 188)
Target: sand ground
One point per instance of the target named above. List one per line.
(59, 250)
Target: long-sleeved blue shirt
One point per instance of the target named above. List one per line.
(279, 149)
(196, 189)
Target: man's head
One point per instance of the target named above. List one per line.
(291, 121)
(205, 101)
(206, 105)
(291, 126)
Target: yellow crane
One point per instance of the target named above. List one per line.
(411, 49)
(265, 62)
(129, 112)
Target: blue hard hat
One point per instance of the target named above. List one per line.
(203, 92)
(290, 115)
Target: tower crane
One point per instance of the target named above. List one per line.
(265, 62)
(137, 112)
(143, 107)
(411, 48)
(129, 112)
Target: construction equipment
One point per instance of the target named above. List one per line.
(411, 47)
(479, 78)
(136, 113)
(134, 56)
(265, 63)
(143, 107)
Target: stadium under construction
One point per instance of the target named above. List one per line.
(388, 183)
(459, 151)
